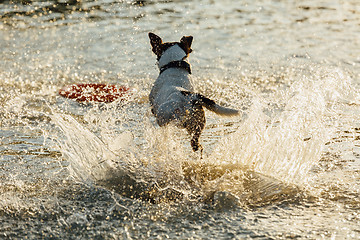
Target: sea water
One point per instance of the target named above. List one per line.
(287, 167)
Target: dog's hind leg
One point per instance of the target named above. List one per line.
(195, 125)
(195, 142)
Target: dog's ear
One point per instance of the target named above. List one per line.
(186, 43)
(156, 43)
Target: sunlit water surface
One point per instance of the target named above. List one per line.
(288, 167)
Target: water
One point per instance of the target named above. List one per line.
(287, 168)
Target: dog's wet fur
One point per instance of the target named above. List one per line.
(172, 97)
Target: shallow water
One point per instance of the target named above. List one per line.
(287, 168)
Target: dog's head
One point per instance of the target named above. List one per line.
(159, 47)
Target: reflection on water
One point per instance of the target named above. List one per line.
(107, 171)
(53, 13)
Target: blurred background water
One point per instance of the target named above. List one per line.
(289, 168)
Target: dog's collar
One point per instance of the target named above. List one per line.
(176, 64)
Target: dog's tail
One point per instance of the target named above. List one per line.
(212, 105)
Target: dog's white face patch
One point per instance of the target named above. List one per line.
(173, 53)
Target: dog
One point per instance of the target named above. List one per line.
(172, 98)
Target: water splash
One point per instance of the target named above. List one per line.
(287, 145)
(273, 149)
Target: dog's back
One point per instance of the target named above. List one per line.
(168, 82)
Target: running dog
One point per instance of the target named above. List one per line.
(172, 97)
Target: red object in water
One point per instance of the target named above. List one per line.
(94, 92)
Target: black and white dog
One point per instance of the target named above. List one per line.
(172, 97)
